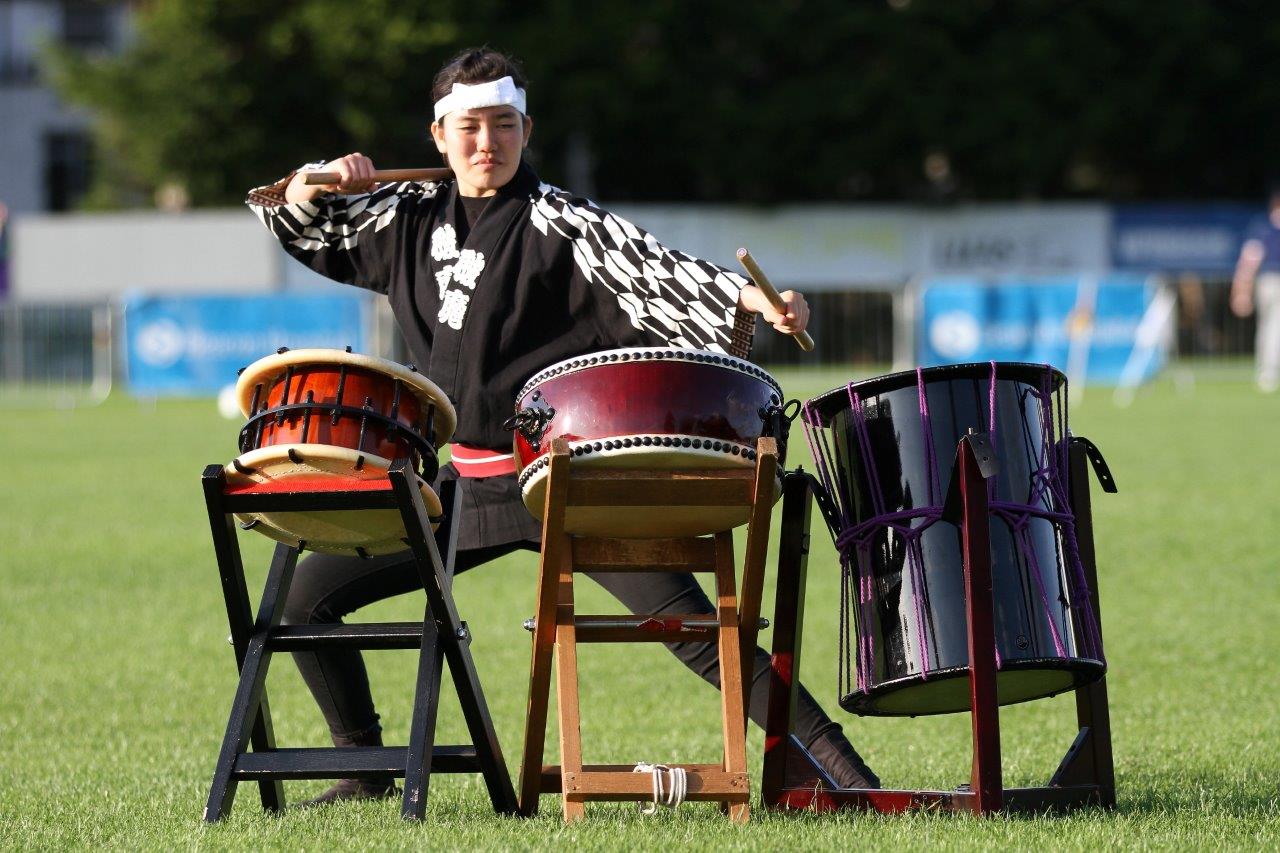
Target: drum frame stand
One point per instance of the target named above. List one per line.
(558, 630)
(791, 779)
(440, 636)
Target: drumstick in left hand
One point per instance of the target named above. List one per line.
(771, 293)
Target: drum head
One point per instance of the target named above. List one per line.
(642, 522)
(946, 691)
(264, 371)
(375, 532)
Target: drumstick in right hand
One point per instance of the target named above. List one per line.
(381, 175)
(770, 292)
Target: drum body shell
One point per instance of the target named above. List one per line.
(918, 631)
(650, 408)
(320, 383)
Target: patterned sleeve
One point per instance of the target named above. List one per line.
(354, 239)
(681, 300)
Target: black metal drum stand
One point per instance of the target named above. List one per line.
(441, 636)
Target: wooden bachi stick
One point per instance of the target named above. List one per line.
(382, 175)
(771, 293)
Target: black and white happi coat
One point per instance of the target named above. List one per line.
(541, 277)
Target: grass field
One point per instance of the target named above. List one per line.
(116, 677)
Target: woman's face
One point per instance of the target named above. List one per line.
(483, 146)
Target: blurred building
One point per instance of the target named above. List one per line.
(45, 145)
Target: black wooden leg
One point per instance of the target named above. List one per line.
(447, 534)
(426, 697)
(236, 596)
(248, 709)
(480, 725)
(454, 638)
(1092, 706)
(422, 732)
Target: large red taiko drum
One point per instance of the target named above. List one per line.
(652, 409)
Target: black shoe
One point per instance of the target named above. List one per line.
(354, 789)
(842, 762)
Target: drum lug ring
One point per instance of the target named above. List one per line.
(531, 422)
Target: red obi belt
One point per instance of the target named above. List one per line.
(481, 462)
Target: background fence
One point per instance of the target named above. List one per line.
(72, 354)
(56, 354)
(1206, 328)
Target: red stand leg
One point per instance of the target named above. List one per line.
(975, 528)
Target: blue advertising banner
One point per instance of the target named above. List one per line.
(195, 345)
(1078, 323)
(1203, 238)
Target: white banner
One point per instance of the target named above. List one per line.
(94, 256)
(817, 248)
(1029, 239)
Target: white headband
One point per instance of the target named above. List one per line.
(495, 93)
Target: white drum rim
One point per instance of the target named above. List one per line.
(372, 468)
(266, 369)
(590, 360)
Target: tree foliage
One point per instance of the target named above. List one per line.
(741, 101)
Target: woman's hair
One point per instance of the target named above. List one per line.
(476, 65)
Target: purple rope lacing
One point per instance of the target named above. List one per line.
(991, 437)
(822, 452)
(864, 444)
(991, 430)
(1058, 484)
(853, 541)
(926, 430)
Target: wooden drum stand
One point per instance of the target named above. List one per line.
(441, 636)
(791, 779)
(557, 627)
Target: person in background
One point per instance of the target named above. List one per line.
(1256, 287)
(4, 251)
(1196, 335)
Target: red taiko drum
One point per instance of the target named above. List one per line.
(319, 413)
(654, 409)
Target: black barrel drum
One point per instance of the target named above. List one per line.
(884, 450)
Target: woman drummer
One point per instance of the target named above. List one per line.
(491, 276)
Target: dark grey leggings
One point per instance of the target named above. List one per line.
(328, 587)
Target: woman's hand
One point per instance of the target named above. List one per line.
(791, 321)
(356, 171)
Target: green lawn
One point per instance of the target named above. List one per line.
(117, 678)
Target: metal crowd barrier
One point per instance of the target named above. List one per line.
(55, 355)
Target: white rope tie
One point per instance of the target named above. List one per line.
(670, 785)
